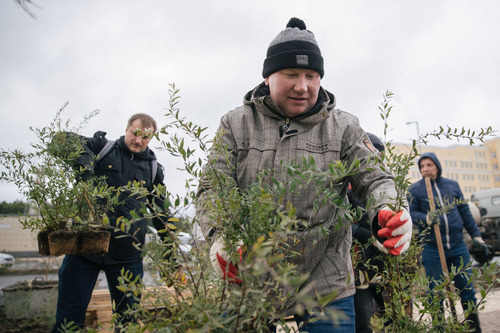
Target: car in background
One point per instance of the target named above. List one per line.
(489, 200)
(485, 208)
(185, 241)
(6, 260)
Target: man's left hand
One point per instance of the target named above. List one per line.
(221, 262)
(397, 228)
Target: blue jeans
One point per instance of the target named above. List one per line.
(77, 278)
(324, 324)
(433, 270)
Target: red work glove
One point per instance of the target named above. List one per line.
(219, 259)
(397, 228)
(379, 246)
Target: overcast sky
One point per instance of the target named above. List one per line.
(440, 58)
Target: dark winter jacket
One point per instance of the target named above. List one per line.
(121, 166)
(364, 251)
(451, 224)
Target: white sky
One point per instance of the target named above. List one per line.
(440, 58)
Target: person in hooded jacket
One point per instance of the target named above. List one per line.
(286, 118)
(129, 159)
(451, 224)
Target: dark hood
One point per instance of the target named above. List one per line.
(434, 158)
(324, 96)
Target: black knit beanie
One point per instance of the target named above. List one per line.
(294, 47)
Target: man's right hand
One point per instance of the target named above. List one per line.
(220, 259)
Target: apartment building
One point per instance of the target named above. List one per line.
(474, 167)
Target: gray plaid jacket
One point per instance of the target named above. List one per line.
(252, 135)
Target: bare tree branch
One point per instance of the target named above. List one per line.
(25, 6)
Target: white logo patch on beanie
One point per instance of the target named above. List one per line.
(302, 59)
(294, 47)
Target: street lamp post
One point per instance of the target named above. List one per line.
(418, 133)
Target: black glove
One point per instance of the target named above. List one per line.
(485, 248)
(84, 174)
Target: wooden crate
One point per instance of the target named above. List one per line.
(100, 311)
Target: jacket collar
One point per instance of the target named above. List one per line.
(260, 99)
(146, 154)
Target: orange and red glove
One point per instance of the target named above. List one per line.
(220, 258)
(396, 227)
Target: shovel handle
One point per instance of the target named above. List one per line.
(439, 242)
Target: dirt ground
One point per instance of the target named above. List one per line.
(490, 315)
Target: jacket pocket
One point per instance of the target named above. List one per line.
(322, 152)
(340, 257)
(112, 170)
(253, 156)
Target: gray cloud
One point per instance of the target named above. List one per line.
(438, 57)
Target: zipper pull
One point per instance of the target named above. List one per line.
(285, 127)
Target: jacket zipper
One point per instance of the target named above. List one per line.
(446, 224)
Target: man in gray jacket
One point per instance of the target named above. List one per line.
(290, 116)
